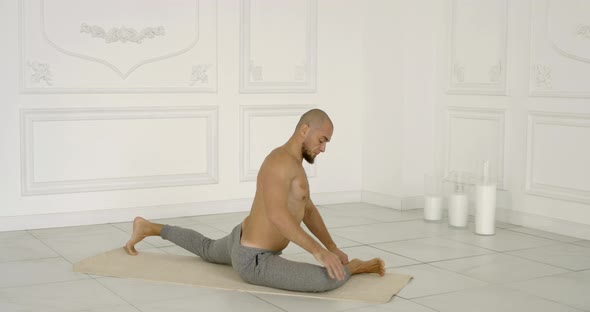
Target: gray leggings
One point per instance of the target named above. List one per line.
(255, 266)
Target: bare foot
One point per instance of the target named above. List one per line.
(142, 228)
(376, 265)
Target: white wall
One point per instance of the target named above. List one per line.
(414, 87)
(171, 125)
(451, 84)
(402, 44)
(516, 92)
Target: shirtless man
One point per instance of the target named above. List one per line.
(281, 203)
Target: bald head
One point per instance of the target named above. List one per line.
(314, 119)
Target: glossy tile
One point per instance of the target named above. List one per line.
(396, 304)
(568, 288)
(59, 297)
(544, 234)
(584, 243)
(222, 300)
(529, 270)
(25, 247)
(137, 292)
(502, 240)
(74, 231)
(393, 231)
(39, 271)
(491, 299)
(432, 249)
(568, 256)
(429, 280)
(289, 303)
(498, 268)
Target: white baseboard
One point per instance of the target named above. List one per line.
(79, 218)
(414, 202)
(380, 199)
(336, 197)
(391, 201)
(563, 227)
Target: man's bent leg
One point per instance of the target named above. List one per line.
(215, 251)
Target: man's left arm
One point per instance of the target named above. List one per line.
(314, 222)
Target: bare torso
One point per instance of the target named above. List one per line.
(257, 230)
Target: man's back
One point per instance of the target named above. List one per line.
(281, 179)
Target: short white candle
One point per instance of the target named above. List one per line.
(458, 210)
(433, 208)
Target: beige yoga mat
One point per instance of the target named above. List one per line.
(194, 271)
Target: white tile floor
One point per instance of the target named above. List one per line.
(518, 269)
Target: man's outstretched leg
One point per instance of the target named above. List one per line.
(142, 228)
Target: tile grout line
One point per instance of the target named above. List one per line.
(268, 302)
(116, 294)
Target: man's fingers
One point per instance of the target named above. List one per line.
(334, 266)
(330, 273)
(338, 271)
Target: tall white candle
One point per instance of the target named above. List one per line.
(433, 208)
(458, 210)
(485, 209)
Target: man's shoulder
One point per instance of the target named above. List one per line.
(280, 156)
(279, 159)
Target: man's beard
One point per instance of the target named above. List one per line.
(307, 155)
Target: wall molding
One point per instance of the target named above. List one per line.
(247, 113)
(549, 190)
(122, 74)
(497, 72)
(539, 70)
(579, 30)
(30, 116)
(305, 74)
(496, 115)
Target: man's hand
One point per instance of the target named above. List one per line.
(332, 263)
(343, 257)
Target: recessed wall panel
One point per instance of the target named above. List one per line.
(558, 164)
(91, 150)
(278, 46)
(473, 137)
(478, 47)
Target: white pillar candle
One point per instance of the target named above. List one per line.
(485, 209)
(433, 208)
(458, 213)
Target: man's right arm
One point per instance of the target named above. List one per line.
(275, 181)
